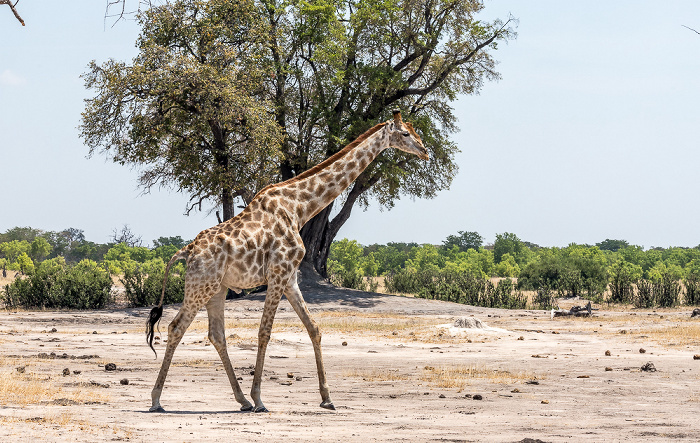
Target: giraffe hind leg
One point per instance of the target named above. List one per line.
(217, 336)
(176, 330)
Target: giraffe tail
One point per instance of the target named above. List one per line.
(157, 312)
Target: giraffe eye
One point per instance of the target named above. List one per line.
(405, 134)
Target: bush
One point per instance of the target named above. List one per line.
(623, 276)
(53, 284)
(458, 287)
(692, 290)
(144, 289)
(645, 294)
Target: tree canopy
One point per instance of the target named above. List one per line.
(226, 96)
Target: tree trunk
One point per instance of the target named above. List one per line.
(317, 242)
(227, 204)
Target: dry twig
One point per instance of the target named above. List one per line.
(12, 7)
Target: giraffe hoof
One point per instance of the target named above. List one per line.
(328, 405)
(260, 409)
(156, 409)
(247, 408)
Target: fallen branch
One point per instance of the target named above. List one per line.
(576, 311)
(12, 7)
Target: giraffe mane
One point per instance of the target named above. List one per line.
(338, 155)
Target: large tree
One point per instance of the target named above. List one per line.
(189, 109)
(326, 71)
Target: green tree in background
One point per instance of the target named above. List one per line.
(190, 109)
(464, 240)
(323, 71)
(509, 243)
(612, 245)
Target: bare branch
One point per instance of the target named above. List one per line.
(691, 29)
(12, 7)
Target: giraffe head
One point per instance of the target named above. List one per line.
(402, 136)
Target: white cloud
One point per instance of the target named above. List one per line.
(9, 78)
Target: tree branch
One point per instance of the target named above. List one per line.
(12, 7)
(691, 29)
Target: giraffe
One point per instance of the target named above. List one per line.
(262, 245)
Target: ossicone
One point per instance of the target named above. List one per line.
(397, 117)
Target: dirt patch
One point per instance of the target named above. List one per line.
(394, 375)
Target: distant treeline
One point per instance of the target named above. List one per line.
(612, 270)
(64, 270)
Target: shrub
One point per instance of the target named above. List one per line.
(144, 289)
(692, 290)
(645, 294)
(544, 298)
(458, 287)
(53, 284)
(623, 276)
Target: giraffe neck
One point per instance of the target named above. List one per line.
(313, 192)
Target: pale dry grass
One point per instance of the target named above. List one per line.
(682, 334)
(336, 321)
(375, 374)
(194, 363)
(23, 388)
(67, 422)
(460, 376)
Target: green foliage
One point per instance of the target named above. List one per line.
(476, 262)
(40, 248)
(464, 241)
(458, 287)
(53, 284)
(507, 267)
(623, 277)
(571, 271)
(509, 243)
(143, 285)
(190, 109)
(612, 245)
(12, 249)
(24, 264)
(348, 266)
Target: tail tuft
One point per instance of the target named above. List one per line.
(153, 318)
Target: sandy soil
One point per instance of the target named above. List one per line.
(399, 377)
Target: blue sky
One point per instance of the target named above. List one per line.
(592, 133)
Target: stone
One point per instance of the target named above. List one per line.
(607, 353)
(441, 395)
(290, 375)
(696, 357)
(110, 367)
(642, 350)
(608, 369)
(477, 397)
(66, 372)
(124, 381)
(648, 367)
(344, 343)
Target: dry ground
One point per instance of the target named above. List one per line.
(400, 377)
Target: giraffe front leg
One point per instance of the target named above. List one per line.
(297, 301)
(272, 300)
(176, 330)
(217, 336)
